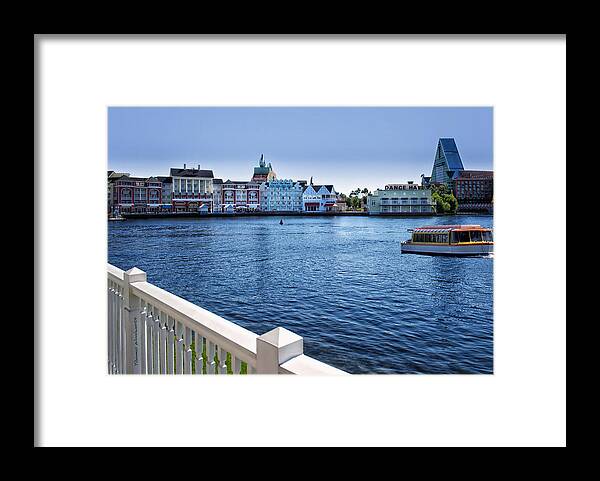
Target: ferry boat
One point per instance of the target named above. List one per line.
(450, 240)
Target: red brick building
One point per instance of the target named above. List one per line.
(474, 190)
(136, 195)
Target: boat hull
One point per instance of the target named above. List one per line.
(448, 250)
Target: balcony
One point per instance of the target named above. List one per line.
(151, 331)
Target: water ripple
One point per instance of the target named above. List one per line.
(339, 282)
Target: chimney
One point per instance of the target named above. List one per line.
(198, 166)
(184, 166)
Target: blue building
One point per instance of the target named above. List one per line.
(281, 195)
(447, 165)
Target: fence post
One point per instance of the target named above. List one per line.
(276, 347)
(131, 319)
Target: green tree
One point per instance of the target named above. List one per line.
(445, 203)
(452, 202)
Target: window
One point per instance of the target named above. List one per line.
(487, 236)
(463, 236)
(476, 236)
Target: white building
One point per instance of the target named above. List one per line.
(407, 198)
(281, 195)
(192, 190)
(318, 198)
(217, 195)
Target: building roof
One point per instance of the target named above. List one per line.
(329, 188)
(238, 182)
(191, 173)
(263, 168)
(475, 174)
(164, 179)
(217, 181)
(117, 175)
(136, 179)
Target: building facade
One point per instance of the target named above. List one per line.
(240, 196)
(406, 198)
(447, 164)
(192, 190)
(135, 195)
(167, 193)
(281, 195)
(319, 198)
(474, 191)
(217, 195)
(112, 205)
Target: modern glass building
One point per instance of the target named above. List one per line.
(447, 164)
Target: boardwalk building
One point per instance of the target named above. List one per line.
(240, 196)
(407, 199)
(217, 195)
(281, 195)
(192, 190)
(112, 205)
(319, 198)
(167, 193)
(135, 194)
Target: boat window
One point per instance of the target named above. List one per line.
(487, 236)
(463, 236)
(476, 236)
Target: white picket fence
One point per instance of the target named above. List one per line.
(151, 331)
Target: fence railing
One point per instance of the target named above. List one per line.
(151, 331)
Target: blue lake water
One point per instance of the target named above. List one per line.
(340, 282)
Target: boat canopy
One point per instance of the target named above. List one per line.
(441, 229)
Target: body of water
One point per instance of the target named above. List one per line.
(339, 282)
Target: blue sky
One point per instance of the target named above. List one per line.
(346, 146)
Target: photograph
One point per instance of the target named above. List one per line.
(300, 240)
(324, 236)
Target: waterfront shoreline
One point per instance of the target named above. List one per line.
(197, 215)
